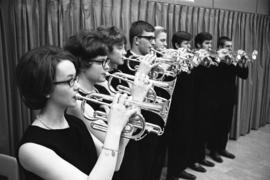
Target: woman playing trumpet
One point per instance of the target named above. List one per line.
(58, 146)
(91, 52)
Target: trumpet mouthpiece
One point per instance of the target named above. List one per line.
(78, 97)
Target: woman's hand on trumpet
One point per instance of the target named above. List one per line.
(120, 113)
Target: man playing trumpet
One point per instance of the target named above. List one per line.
(227, 91)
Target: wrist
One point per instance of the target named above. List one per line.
(112, 151)
(114, 131)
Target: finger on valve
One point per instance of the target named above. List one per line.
(141, 87)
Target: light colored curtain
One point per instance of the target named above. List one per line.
(249, 32)
(25, 24)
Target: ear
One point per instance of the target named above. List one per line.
(177, 45)
(48, 96)
(136, 40)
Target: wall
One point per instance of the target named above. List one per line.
(253, 6)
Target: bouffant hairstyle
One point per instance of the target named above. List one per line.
(35, 74)
(86, 46)
(112, 36)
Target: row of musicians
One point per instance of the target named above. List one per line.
(59, 146)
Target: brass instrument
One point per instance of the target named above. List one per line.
(165, 103)
(184, 58)
(212, 57)
(241, 57)
(168, 86)
(136, 123)
(165, 67)
(207, 57)
(134, 129)
(157, 72)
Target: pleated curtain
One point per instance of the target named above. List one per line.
(26, 24)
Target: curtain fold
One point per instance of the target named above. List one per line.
(26, 24)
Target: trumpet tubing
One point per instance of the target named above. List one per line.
(136, 126)
(98, 98)
(152, 128)
(168, 86)
(136, 121)
(130, 131)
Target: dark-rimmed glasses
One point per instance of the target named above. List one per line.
(70, 82)
(149, 38)
(103, 62)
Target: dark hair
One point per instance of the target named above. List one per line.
(85, 46)
(221, 41)
(179, 37)
(137, 29)
(112, 36)
(201, 37)
(35, 74)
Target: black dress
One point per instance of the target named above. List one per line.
(73, 144)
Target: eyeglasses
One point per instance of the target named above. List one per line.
(103, 62)
(149, 38)
(70, 82)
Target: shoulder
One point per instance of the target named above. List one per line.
(74, 121)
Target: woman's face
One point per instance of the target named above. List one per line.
(65, 84)
(96, 72)
(161, 41)
(116, 56)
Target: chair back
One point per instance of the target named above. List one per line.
(9, 167)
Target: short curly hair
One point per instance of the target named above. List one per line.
(201, 37)
(179, 37)
(35, 74)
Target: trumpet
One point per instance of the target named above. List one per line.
(185, 59)
(241, 57)
(168, 86)
(165, 67)
(212, 57)
(103, 99)
(171, 54)
(134, 129)
(132, 62)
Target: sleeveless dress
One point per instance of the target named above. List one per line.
(74, 144)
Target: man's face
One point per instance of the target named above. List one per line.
(228, 45)
(161, 41)
(145, 42)
(207, 45)
(185, 44)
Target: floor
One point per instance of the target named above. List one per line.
(252, 160)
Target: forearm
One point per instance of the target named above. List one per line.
(106, 163)
(122, 147)
(123, 143)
